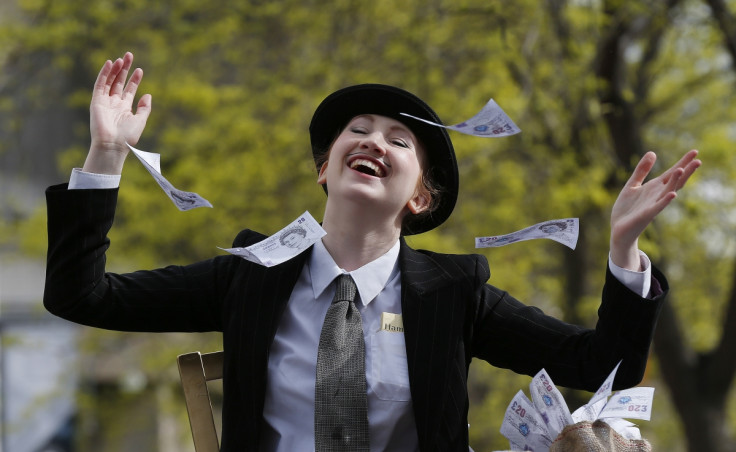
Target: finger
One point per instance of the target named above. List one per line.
(101, 82)
(642, 169)
(673, 182)
(687, 158)
(132, 86)
(112, 75)
(663, 202)
(682, 163)
(678, 177)
(688, 171)
(119, 81)
(143, 109)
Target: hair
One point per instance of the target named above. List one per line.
(427, 184)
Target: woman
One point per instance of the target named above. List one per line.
(424, 315)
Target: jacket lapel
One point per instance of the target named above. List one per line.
(433, 293)
(257, 300)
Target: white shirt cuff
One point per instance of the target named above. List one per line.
(84, 180)
(638, 282)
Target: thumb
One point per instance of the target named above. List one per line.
(133, 128)
(642, 169)
(143, 109)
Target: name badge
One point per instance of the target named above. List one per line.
(393, 323)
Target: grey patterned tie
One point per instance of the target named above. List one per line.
(340, 402)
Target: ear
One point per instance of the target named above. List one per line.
(322, 177)
(419, 203)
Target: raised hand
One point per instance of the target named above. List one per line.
(639, 203)
(112, 120)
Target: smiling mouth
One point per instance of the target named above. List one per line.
(367, 167)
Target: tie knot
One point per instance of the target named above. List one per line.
(345, 290)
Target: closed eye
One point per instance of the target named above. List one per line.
(400, 143)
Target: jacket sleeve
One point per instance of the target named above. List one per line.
(78, 288)
(522, 338)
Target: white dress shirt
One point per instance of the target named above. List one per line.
(289, 407)
(289, 404)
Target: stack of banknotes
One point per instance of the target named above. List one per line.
(533, 424)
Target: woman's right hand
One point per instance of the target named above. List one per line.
(112, 120)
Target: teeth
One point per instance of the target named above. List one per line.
(377, 171)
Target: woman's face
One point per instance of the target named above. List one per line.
(377, 160)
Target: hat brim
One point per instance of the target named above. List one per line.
(334, 113)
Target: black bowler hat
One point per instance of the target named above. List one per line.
(334, 113)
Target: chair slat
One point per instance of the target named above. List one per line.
(195, 370)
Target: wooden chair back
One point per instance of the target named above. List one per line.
(195, 370)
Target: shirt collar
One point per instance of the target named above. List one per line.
(370, 278)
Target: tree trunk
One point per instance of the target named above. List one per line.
(698, 383)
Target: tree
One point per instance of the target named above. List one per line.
(636, 101)
(699, 381)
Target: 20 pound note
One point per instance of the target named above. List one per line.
(299, 235)
(184, 200)
(524, 426)
(490, 121)
(565, 231)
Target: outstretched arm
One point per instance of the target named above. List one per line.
(640, 202)
(112, 120)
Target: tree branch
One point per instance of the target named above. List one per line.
(727, 24)
(617, 112)
(669, 102)
(657, 26)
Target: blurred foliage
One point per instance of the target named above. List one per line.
(234, 85)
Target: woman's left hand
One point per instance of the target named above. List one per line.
(639, 203)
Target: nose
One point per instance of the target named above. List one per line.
(374, 142)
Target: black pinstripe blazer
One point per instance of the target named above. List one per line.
(450, 316)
